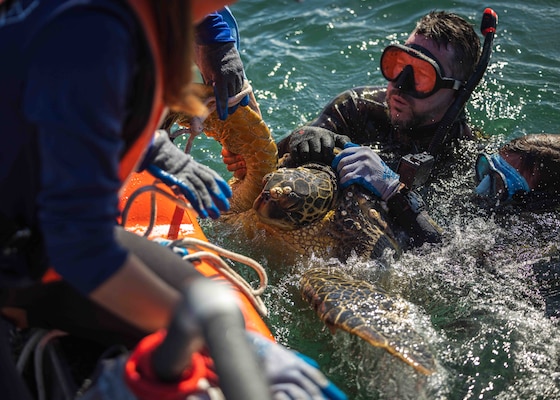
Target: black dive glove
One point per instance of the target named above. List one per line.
(221, 66)
(314, 144)
(204, 189)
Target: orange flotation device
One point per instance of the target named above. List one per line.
(151, 209)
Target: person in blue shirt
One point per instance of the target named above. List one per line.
(86, 86)
(218, 60)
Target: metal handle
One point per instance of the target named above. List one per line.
(208, 314)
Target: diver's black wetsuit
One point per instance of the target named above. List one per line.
(361, 113)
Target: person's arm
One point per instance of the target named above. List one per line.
(135, 287)
(408, 210)
(79, 145)
(362, 165)
(206, 191)
(358, 114)
(218, 60)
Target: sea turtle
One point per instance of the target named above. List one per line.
(301, 209)
(360, 308)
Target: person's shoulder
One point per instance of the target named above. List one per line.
(103, 9)
(377, 93)
(96, 16)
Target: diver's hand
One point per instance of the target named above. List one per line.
(312, 143)
(221, 66)
(362, 165)
(204, 188)
(234, 163)
(291, 374)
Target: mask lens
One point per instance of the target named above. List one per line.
(393, 62)
(482, 167)
(485, 168)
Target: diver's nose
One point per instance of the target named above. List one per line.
(405, 80)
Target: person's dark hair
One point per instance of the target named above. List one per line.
(176, 38)
(541, 154)
(449, 29)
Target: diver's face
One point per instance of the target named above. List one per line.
(407, 111)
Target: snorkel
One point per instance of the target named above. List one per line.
(415, 169)
(488, 29)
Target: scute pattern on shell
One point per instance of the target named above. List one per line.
(361, 223)
(297, 196)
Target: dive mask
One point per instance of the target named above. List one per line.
(415, 71)
(496, 178)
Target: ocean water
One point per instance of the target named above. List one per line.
(486, 299)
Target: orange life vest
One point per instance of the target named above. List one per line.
(158, 110)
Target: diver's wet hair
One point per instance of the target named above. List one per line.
(450, 29)
(541, 155)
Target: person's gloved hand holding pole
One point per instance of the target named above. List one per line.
(204, 188)
(292, 375)
(362, 165)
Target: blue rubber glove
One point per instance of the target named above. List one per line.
(221, 66)
(204, 189)
(363, 166)
(291, 374)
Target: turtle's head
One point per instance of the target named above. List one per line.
(294, 197)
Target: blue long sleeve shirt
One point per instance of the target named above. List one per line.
(66, 81)
(218, 27)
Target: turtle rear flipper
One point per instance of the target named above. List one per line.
(367, 312)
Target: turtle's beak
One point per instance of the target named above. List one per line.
(269, 212)
(261, 200)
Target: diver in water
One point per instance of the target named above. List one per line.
(525, 171)
(425, 76)
(524, 175)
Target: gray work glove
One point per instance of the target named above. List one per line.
(292, 375)
(221, 66)
(362, 165)
(204, 188)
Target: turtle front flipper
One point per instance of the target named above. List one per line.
(244, 133)
(367, 312)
